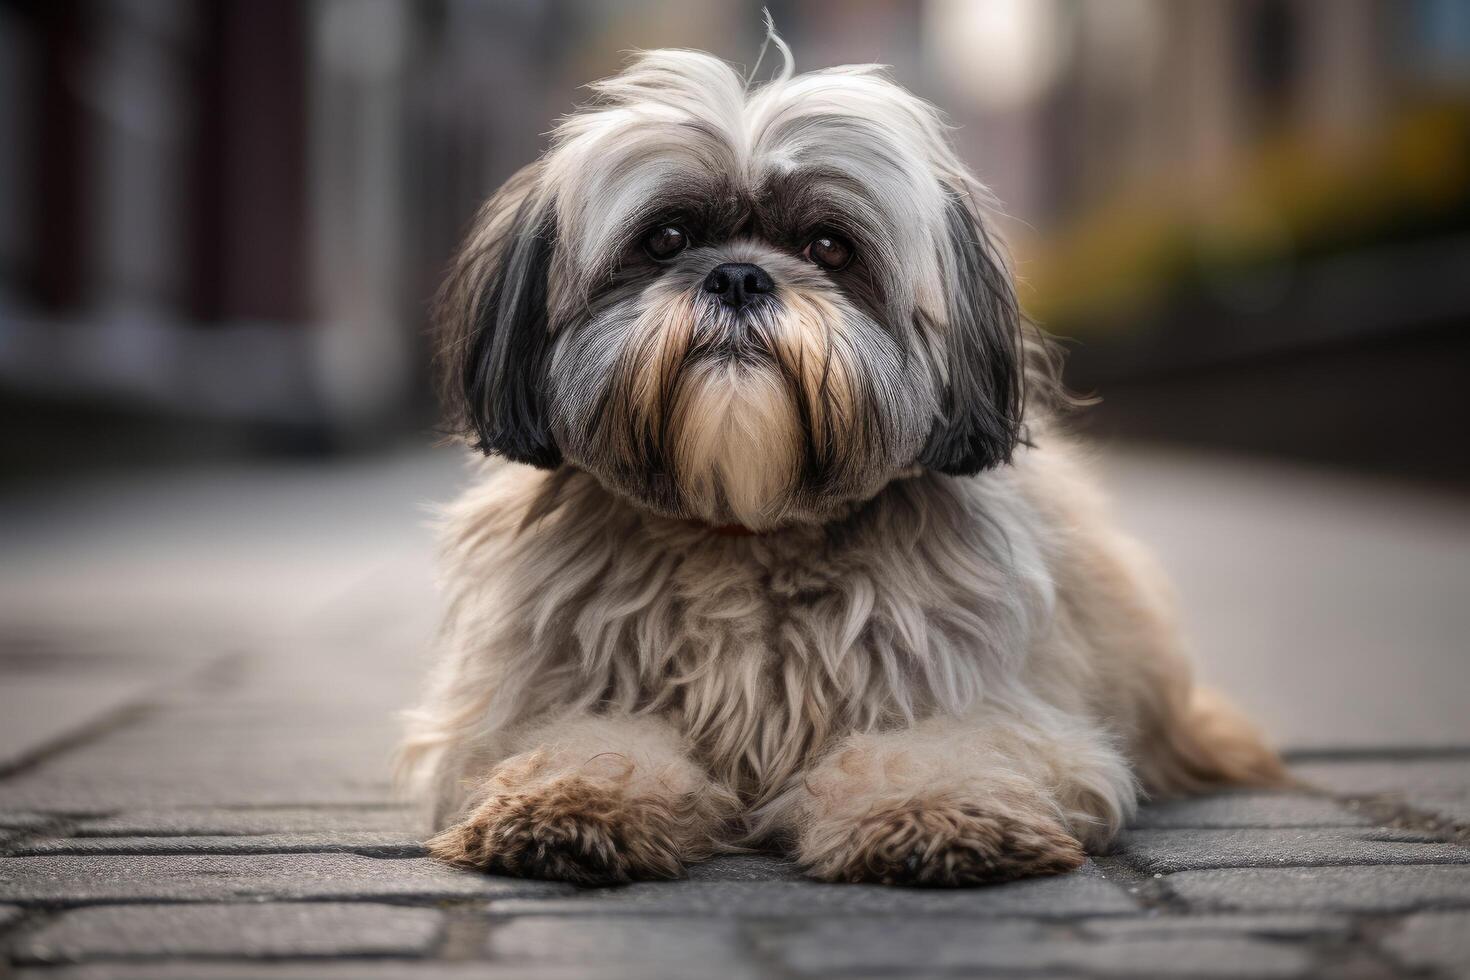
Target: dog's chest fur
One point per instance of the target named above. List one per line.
(763, 649)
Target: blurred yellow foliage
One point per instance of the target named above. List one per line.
(1293, 194)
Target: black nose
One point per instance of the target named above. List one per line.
(737, 284)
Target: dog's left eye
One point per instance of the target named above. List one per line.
(831, 252)
(666, 242)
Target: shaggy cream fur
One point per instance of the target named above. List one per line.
(930, 657)
(985, 654)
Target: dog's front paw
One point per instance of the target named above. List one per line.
(578, 829)
(942, 843)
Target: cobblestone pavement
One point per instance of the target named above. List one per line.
(197, 673)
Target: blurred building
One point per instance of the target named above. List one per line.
(221, 222)
(220, 218)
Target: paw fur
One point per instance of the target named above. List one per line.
(580, 830)
(942, 844)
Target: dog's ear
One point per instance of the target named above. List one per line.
(492, 318)
(982, 399)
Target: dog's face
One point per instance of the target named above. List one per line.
(740, 306)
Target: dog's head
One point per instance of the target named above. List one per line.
(736, 304)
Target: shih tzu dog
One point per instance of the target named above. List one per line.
(789, 552)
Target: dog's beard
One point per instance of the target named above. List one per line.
(779, 412)
(736, 443)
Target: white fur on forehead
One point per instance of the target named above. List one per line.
(854, 119)
(609, 160)
(675, 113)
(686, 84)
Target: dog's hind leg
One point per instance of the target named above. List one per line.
(591, 798)
(1115, 640)
(1201, 742)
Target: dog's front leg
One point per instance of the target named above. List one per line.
(591, 798)
(958, 802)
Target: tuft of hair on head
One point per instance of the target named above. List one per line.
(788, 62)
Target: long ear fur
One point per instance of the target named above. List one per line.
(492, 316)
(983, 399)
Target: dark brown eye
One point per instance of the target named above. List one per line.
(829, 251)
(666, 242)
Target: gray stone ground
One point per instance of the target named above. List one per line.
(197, 672)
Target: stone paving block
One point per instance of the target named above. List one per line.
(1433, 941)
(1248, 810)
(26, 821)
(896, 944)
(1187, 850)
(746, 867)
(1289, 926)
(1081, 893)
(278, 929)
(1378, 890)
(357, 969)
(216, 821)
(904, 946)
(950, 975)
(92, 879)
(1184, 957)
(217, 754)
(49, 695)
(674, 946)
(372, 845)
(1439, 785)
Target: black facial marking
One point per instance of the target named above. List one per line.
(797, 206)
(982, 402)
(502, 376)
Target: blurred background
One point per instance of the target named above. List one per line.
(220, 224)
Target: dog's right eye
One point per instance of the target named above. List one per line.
(665, 243)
